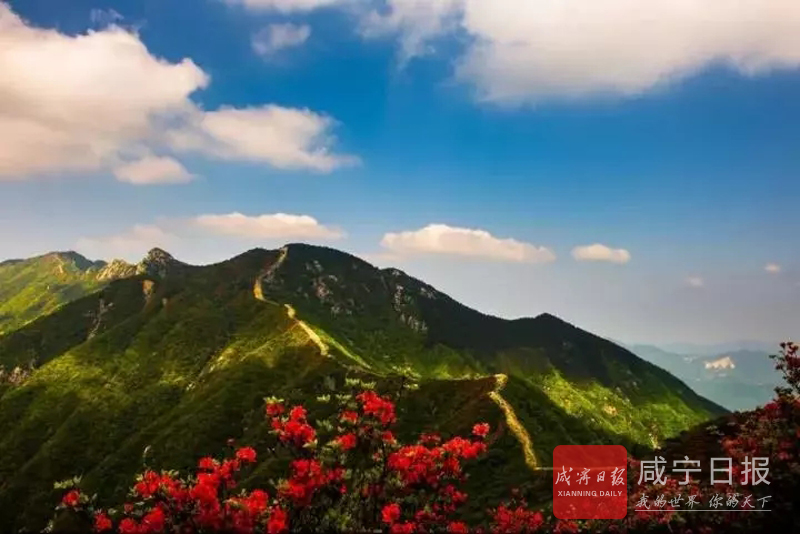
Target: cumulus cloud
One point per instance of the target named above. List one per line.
(529, 51)
(599, 252)
(276, 225)
(772, 268)
(153, 170)
(444, 239)
(286, 138)
(275, 37)
(695, 281)
(171, 232)
(86, 102)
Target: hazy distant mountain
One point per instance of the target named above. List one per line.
(719, 348)
(737, 379)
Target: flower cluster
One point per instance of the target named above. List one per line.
(358, 478)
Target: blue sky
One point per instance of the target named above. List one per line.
(189, 125)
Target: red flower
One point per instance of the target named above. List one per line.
(71, 499)
(148, 485)
(277, 522)
(207, 463)
(350, 417)
(297, 432)
(256, 502)
(390, 513)
(376, 406)
(347, 441)
(154, 520)
(403, 528)
(481, 429)
(128, 526)
(388, 437)
(298, 413)
(101, 522)
(274, 409)
(457, 527)
(246, 454)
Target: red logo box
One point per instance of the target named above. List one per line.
(590, 482)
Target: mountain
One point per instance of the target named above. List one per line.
(738, 380)
(178, 359)
(713, 349)
(37, 286)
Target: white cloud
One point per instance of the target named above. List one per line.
(276, 225)
(416, 22)
(285, 6)
(153, 170)
(529, 51)
(275, 37)
(599, 252)
(443, 239)
(286, 138)
(772, 268)
(193, 232)
(695, 281)
(94, 99)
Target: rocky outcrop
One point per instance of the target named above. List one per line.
(115, 270)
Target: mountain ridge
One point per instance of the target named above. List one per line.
(178, 358)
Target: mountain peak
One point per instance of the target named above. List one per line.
(158, 254)
(157, 262)
(78, 260)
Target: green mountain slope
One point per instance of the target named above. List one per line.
(38, 286)
(179, 358)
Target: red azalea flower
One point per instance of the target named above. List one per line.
(390, 513)
(350, 417)
(128, 526)
(274, 409)
(298, 413)
(246, 454)
(403, 528)
(71, 499)
(347, 441)
(481, 430)
(154, 520)
(457, 527)
(101, 522)
(207, 463)
(277, 522)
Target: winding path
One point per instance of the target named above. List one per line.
(513, 422)
(323, 348)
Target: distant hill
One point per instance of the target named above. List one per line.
(37, 286)
(179, 358)
(713, 349)
(738, 380)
